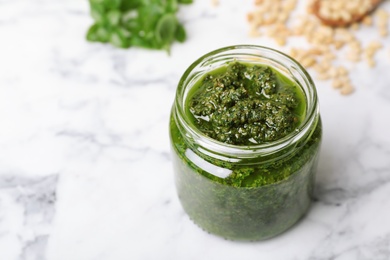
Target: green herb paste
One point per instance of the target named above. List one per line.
(242, 104)
(254, 198)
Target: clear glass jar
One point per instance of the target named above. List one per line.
(201, 163)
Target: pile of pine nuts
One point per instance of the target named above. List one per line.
(344, 10)
(327, 45)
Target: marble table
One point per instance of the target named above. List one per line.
(84, 174)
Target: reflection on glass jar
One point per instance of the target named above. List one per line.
(252, 191)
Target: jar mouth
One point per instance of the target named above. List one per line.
(249, 54)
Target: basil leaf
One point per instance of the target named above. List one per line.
(92, 33)
(97, 33)
(96, 2)
(185, 1)
(114, 17)
(180, 34)
(144, 43)
(148, 17)
(112, 4)
(171, 6)
(130, 5)
(165, 30)
(145, 23)
(98, 13)
(118, 39)
(102, 34)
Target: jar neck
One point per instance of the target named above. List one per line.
(203, 144)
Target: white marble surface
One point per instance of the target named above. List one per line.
(84, 175)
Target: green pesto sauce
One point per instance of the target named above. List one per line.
(256, 200)
(244, 104)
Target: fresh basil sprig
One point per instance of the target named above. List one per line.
(143, 23)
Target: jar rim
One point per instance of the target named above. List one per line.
(214, 146)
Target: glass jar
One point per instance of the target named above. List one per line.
(201, 164)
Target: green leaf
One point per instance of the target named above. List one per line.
(141, 42)
(171, 6)
(103, 34)
(130, 5)
(114, 17)
(185, 1)
(98, 13)
(165, 30)
(148, 17)
(92, 33)
(118, 39)
(97, 33)
(180, 34)
(96, 2)
(145, 23)
(126, 33)
(112, 4)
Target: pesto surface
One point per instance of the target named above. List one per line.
(245, 104)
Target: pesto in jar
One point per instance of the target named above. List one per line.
(245, 143)
(245, 104)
